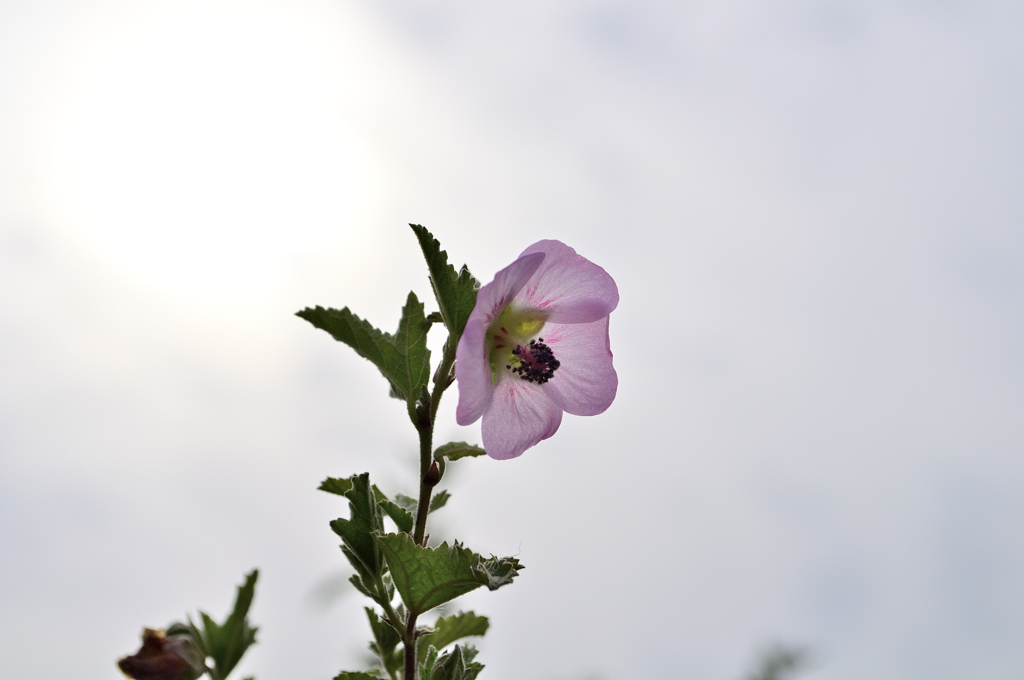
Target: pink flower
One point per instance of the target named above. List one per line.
(536, 344)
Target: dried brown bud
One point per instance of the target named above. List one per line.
(163, 658)
(433, 475)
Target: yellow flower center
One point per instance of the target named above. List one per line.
(511, 345)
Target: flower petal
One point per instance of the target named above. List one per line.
(507, 284)
(519, 416)
(472, 367)
(585, 382)
(568, 286)
(473, 372)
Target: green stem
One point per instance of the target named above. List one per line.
(443, 372)
(426, 457)
(425, 427)
(409, 645)
(426, 430)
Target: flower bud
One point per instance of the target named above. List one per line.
(164, 658)
(433, 475)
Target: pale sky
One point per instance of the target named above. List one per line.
(815, 217)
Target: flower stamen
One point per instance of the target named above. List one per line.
(535, 362)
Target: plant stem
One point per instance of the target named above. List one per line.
(409, 644)
(443, 373)
(426, 431)
(426, 435)
(425, 427)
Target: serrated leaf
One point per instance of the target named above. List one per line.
(358, 584)
(357, 532)
(495, 572)
(403, 358)
(426, 664)
(438, 501)
(227, 642)
(407, 502)
(470, 652)
(456, 450)
(385, 642)
(455, 291)
(428, 577)
(210, 632)
(335, 485)
(402, 518)
(448, 629)
(357, 675)
(457, 664)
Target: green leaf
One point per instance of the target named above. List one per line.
(227, 642)
(336, 485)
(438, 501)
(349, 675)
(385, 642)
(495, 572)
(456, 450)
(356, 533)
(455, 665)
(428, 577)
(455, 291)
(448, 629)
(402, 518)
(189, 630)
(426, 665)
(357, 583)
(403, 358)
(407, 502)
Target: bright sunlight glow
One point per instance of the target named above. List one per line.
(205, 149)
